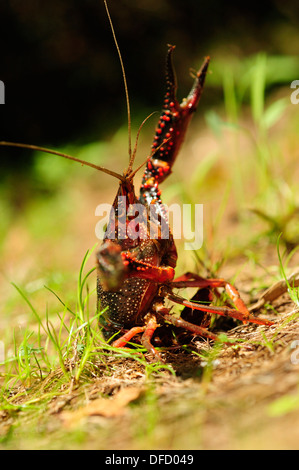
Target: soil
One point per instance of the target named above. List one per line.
(244, 396)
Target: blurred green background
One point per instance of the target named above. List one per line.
(64, 89)
(62, 74)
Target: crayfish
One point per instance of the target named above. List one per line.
(136, 270)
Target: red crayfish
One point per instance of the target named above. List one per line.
(136, 269)
(136, 275)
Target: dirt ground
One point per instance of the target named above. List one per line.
(243, 396)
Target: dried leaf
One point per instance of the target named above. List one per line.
(108, 407)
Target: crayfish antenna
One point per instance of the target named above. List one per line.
(154, 151)
(129, 173)
(64, 155)
(131, 155)
(120, 177)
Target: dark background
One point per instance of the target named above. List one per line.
(61, 71)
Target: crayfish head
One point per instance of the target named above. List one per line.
(128, 218)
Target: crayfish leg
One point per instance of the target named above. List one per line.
(151, 327)
(193, 280)
(148, 331)
(179, 322)
(224, 311)
(124, 339)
